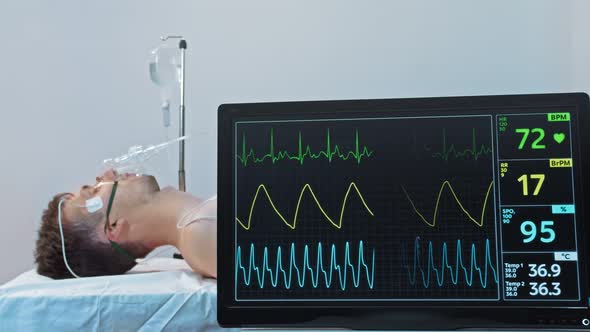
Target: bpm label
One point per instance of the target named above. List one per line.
(560, 162)
(553, 117)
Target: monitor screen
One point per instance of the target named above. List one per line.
(454, 212)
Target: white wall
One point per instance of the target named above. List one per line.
(580, 46)
(75, 89)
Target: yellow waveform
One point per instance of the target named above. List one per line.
(447, 184)
(306, 187)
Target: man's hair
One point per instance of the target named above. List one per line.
(87, 255)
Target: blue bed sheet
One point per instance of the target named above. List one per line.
(169, 300)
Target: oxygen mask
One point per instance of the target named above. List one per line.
(139, 160)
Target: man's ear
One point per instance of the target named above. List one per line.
(117, 229)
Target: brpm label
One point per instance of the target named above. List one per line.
(560, 162)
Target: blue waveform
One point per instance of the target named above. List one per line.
(446, 265)
(264, 269)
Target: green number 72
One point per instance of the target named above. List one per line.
(525, 134)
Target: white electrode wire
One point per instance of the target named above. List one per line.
(63, 243)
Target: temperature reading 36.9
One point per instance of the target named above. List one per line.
(540, 270)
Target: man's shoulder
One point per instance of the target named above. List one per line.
(199, 229)
(198, 245)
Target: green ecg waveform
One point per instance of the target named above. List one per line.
(306, 187)
(302, 153)
(451, 151)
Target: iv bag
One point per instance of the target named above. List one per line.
(165, 65)
(165, 70)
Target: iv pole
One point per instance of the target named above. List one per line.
(181, 124)
(181, 174)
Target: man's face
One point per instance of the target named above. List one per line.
(132, 191)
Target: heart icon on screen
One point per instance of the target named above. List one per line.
(559, 137)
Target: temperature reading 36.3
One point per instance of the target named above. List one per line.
(543, 289)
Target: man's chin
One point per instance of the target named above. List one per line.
(153, 182)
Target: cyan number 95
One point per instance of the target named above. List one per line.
(529, 230)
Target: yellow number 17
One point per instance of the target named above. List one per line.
(525, 187)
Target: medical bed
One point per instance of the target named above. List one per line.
(162, 295)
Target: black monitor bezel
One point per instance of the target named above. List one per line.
(394, 317)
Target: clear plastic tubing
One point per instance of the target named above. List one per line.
(135, 158)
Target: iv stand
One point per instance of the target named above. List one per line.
(181, 174)
(181, 124)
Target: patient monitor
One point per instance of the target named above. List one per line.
(427, 213)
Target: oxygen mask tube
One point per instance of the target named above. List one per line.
(136, 157)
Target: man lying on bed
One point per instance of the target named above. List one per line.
(142, 217)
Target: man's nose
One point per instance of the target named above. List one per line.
(86, 191)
